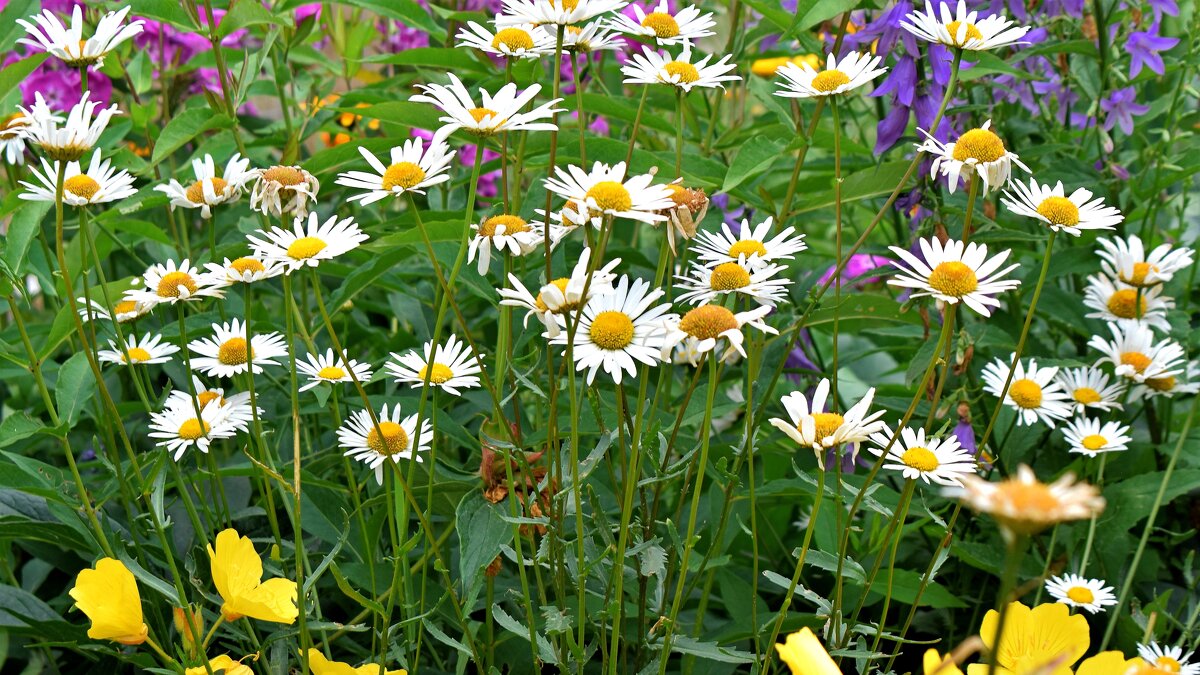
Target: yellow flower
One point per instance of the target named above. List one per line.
(237, 573)
(1106, 663)
(222, 664)
(804, 654)
(108, 595)
(1033, 639)
(767, 67)
(933, 664)
(319, 665)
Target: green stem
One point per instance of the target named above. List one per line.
(1008, 581)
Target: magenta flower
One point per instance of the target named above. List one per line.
(859, 265)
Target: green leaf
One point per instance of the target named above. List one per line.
(482, 533)
(15, 74)
(18, 426)
(184, 127)
(871, 182)
(246, 14)
(10, 30)
(712, 651)
(76, 384)
(545, 651)
(164, 10)
(21, 232)
(453, 60)
(406, 11)
(752, 158)
(821, 10)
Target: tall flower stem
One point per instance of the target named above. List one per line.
(297, 528)
(256, 423)
(837, 215)
(1017, 543)
(679, 122)
(896, 527)
(1091, 535)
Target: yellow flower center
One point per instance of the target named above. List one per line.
(10, 127)
(82, 185)
(1094, 442)
(513, 39)
(1027, 498)
(612, 330)
(827, 424)
(728, 277)
(1160, 383)
(566, 5)
(921, 459)
(684, 73)
(1086, 395)
(679, 194)
(331, 373)
(1138, 360)
(440, 375)
(125, 307)
(561, 285)
(1025, 393)
(305, 248)
(1140, 270)
(480, 113)
(611, 196)
(707, 322)
(511, 224)
(1059, 211)
(664, 25)
(284, 175)
(980, 145)
(168, 286)
(402, 174)
(233, 352)
(747, 247)
(1126, 304)
(195, 193)
(206, 397)
(193, 429)
(1168, 664)
(972, 32)
(828, 80)
(244, 265)
(393, 440)
(954, 279)
(1081, 595)
(136, 355)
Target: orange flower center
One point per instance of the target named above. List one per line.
(980, 145)
(168, 286)
(954, 279)
(611, 330)
(195, 193)
(921, 459)
(611, 196)
(394, 439)
(305, 248)
(404, 175)
(233, 352)
(708, 322)
(1126, 304)
(82, 185)
(284, 175)
(511, 224)
(1059, 211)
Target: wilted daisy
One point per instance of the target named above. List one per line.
(307, 245)
(1127, 260)
(283, 190)
(762, 282)
(1091, 436)
(702, 329)
(618, 330)
(510, 235)
(955, 271)
(1061, 213)
(209, 189)
(12, 138)
(752, 243)
(560, 12)
(977, 151)
(941, 460)
(226, 352)
(329, 368)
(411, 168)
(495, 113)
(101, 183)
(655, 67)
(123, 310)
(607, 191)
(963, 29)
(1081, 592)
(563, 296)
(1089, 388)
(171, 284)
(1187, 382)
(1168, 659)
(1135, 355)
(1023, 505)
(69, 45)
(689, 205)
(65, 141)
(811, 425)
(520, 41)
(1033, 393)
(592, 37)
(451, 367)
(838, 77)
(1121, 303)
(244, 270)
(392, 438)
(177, 428)
(147, 349)
(665, 27)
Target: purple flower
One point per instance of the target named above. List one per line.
(1119, 108)
(1160, 7)
(164, 44)
(966, 436)
(729, 213)
(859, 265)
(1143, 48)
(901, 82)
(891, 127)
(399, 37)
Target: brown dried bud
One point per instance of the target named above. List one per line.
(493, 567)
(1088, 27)
(989, 209)
(964, 360)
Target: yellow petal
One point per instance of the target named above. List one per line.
(273, 600)
(933, 662)
(109, 596)
(222, 664)
(1105, 663)
(1035, 638)
(235, 565)
(319, 665)
(803, 653)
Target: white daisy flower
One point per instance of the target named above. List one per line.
(391, 439)
(454, 366)
(963, 29)
(1089, 388)
(700, 330)
(1081, 592)
(307, 245)
(1061, 213)
(235, 407)
(560, 12)
(953, 271)
(69, 45)
(941, 460)
(65, 141)
(101, 183)
(519, 41)
(683, 27)
(177, 428)
(329, 368)
(851, 72)
(283, 190)
(209, 189)
(655, 67)
(171, 284)
(618, 330)
(124, 310)
(496, 113)
(244, 270)
(705, 284)
(754, 244)
(510, 235)
(607, 191)
(1168, 659)
(411, 169)
(561, 296)
(138, 351)
(12, 138)
(976, 151)
(592, 37)
(225, 353)
(1088, 436)
(1126, 260)
(1135, 355)
(1033, 393)
(1185, 383)
(811, 425)
(1124, 304)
